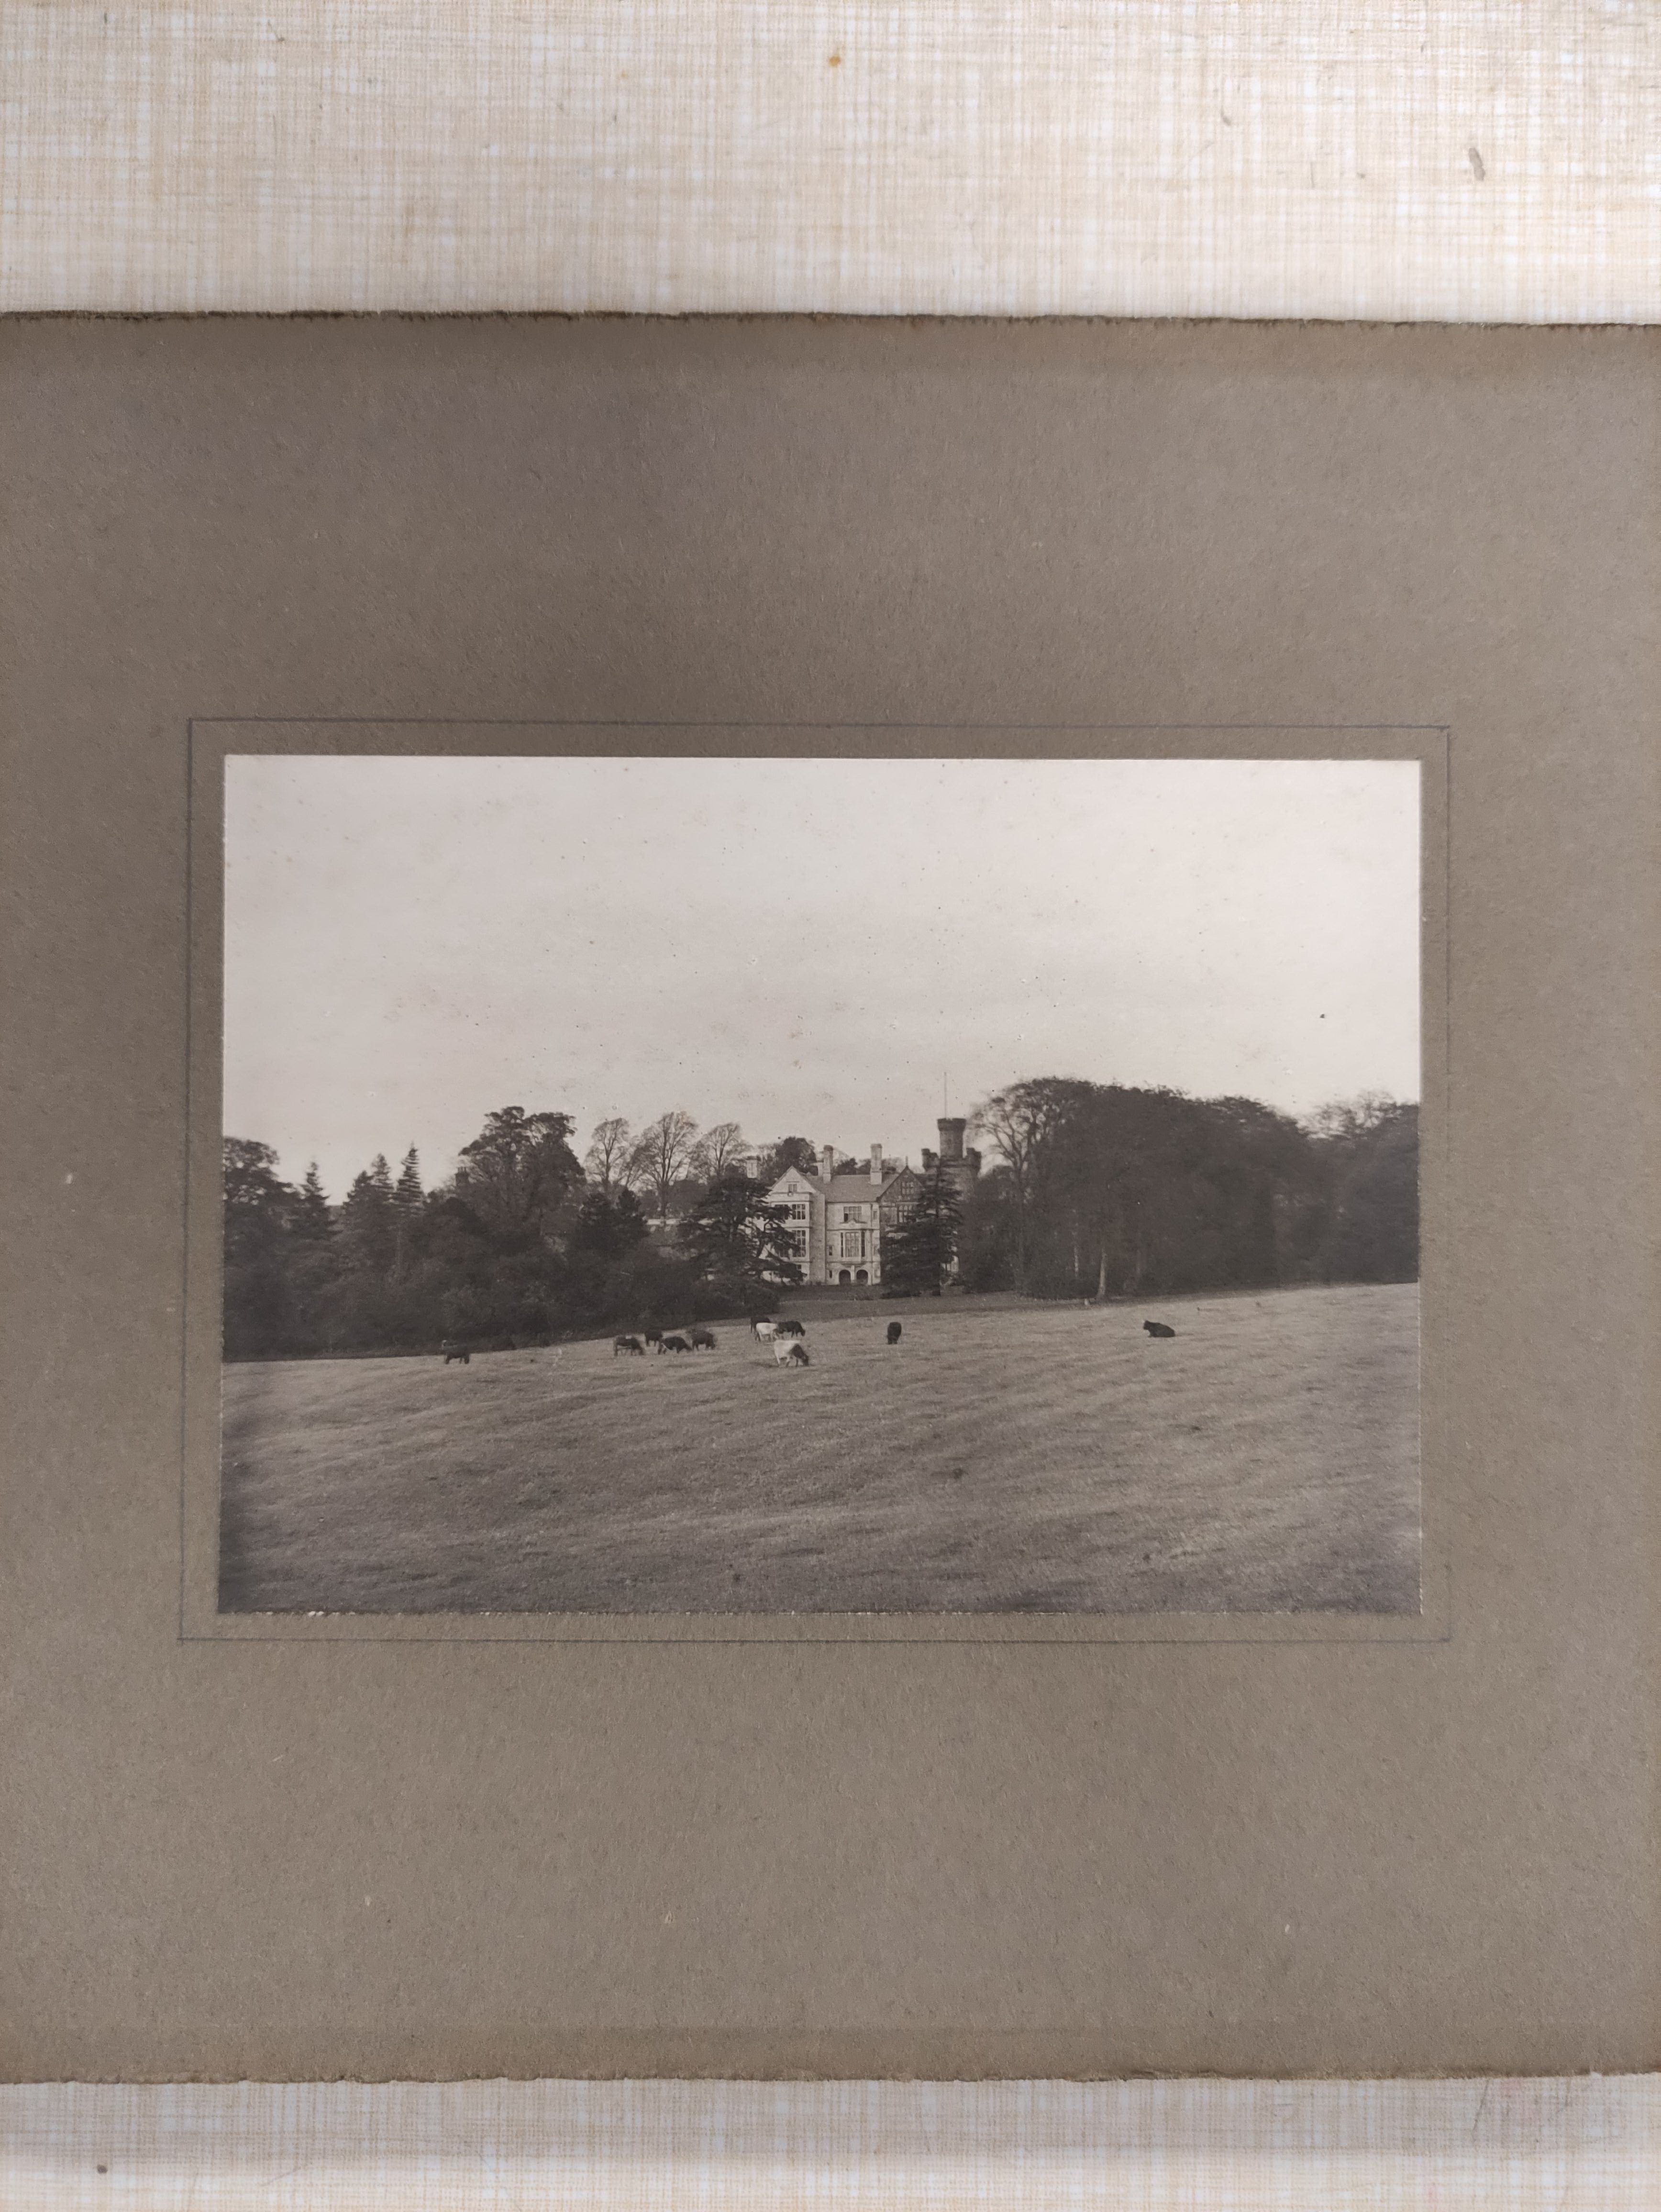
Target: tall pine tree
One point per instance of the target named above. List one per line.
(369, 1218)
(408, 1192)
(312, 1221)
(920, 1252)
(408, 1201)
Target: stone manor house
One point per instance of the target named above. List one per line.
(838, 1221)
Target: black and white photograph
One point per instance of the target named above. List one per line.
(780, 1185)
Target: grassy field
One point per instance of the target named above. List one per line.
(1022, 1458)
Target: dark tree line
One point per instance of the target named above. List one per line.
(520, 1247)
(1089, 1190)
(1098, 1190)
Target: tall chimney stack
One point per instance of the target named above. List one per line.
(827, 1162)
(876, 1166)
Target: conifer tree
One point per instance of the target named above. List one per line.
(312, 1221)
(368, 1217)
(408, 1199)
(919, 1253)
(740, 1242)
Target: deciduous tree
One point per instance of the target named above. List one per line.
(789, 1153)
(518, 1171)
(1369, 1150)
(257, 1201)
(259, 1206)
(609, 1149)
(660, 1156)
(717, 1151)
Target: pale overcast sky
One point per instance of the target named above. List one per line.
(805, 947)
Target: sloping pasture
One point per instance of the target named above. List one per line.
(1035, 1458)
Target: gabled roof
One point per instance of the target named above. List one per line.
(848, 1189)
(854, 1188)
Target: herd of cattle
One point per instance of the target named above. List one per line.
(695, 1339)
(785, 1337)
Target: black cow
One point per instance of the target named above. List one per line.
(893, 1332)
(674, 1344)
(631, 1344)
(1158, 1328)
(655, 1336)
(456, 1352)
(702, 1340)
(791, 1328)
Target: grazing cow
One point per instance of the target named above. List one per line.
(455, 1352)
(674, 1344)
(764, 1331)
(702, 1340)
(893, 1332)
(789, 1354)
(654, 1337)
(1158, 1328)
(631, 1344)
(791, 1328)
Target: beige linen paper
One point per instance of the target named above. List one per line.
(307, 1856)
(1576, 2146)
(1400, 162)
